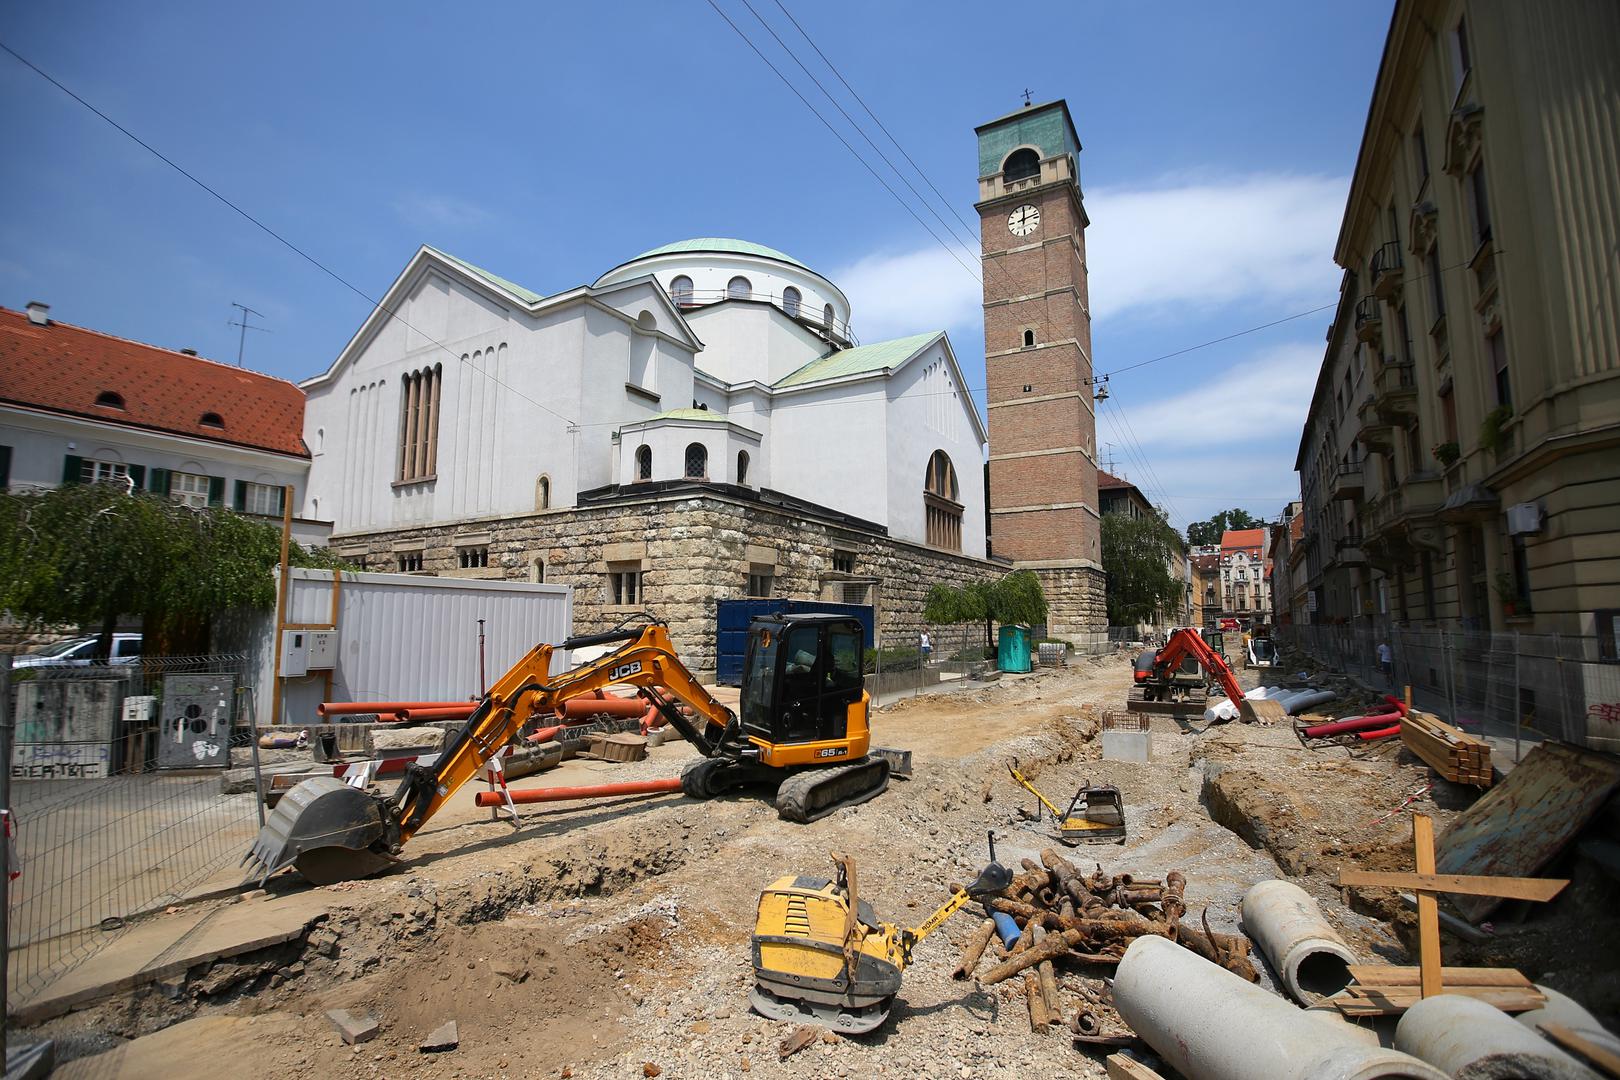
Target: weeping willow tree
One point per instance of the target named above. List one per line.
(1009, 600)
(86, 555)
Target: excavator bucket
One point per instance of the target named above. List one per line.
(325, 828)
(1261, 711)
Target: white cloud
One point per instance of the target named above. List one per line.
(431, 212)
(1266, 238)
(892, 295)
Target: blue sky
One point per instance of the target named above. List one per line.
(549, 142)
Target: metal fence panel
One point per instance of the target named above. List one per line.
(101, 845)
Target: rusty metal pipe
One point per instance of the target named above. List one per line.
(570, 794)
(975, 949)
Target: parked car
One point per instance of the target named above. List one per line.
(80, 652)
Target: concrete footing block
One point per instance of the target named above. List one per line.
(354, 1029)
(444, 1037)
(1127, 745)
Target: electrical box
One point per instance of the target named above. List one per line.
(141, 709)
(1523, 519)
(322, 650)
(294, 653)
(196, 721)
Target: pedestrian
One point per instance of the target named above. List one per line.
(927, 647)
(1386, 663)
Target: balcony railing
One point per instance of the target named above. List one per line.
(1369, 319)
(797, 310)
(1347, 481)
(1386, 270)
(1395, 391)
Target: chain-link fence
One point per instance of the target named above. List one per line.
(1515, 689)
(116, 784)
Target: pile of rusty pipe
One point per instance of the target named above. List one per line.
(571, 794)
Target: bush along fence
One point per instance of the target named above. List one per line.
(116, 788)
(1505, 686)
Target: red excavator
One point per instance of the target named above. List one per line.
(1176, 680)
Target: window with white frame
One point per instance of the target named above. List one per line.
(262, 499)
(189, 489)
(92, 471)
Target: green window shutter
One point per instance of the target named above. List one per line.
(281, 500)
(239, 499)
(72, 468)
(137, 476)
(216, 491)
(157, 482)
(5, 467)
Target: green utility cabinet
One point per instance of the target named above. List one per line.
(1012, 653)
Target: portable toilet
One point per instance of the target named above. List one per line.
(1013, 651)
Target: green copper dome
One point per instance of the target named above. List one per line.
(721, 244)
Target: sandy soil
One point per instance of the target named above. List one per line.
(611, 939)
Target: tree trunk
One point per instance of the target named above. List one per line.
(109, 623)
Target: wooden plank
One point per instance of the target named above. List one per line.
(1393, 975)
(1605, 1059)
(1428, 908)
(1394, 1000)
(1541, 889)
(1121, 1067)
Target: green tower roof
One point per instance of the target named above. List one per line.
(1046, 127)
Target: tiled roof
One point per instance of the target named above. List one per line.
(1107, 479)
(63, 369)
(1242, 538)
(499, 282)
(878, 356)
(723, 245)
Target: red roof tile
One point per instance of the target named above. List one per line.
(1234, 539)
(1107, 479)
(63, 369)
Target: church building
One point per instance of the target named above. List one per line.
(697, 424)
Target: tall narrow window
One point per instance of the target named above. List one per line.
(1448, 412)
(1462, 60)
(1029, 339)
(1496, 349)
(790, 301)
(742, 466)
(739, 288)
(1437, 291)
(827, 316)
(697, 462)
(542, 493)
(418, 425)
(941, 506)
(680, 291)
(643, 462)
(1420, 151)
(1479, 209)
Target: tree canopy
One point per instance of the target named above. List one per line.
(87, 554)
(1209, 532)
(1015, 598)
(1137, 555)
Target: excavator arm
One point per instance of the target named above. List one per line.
(1185, 643)
(646, 660)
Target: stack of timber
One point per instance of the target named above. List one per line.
(1380, 990)
(1454, 754)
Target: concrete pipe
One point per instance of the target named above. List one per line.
(1472, 1040)
(1209, 1024)
(1563, 1009)
(1308, 955)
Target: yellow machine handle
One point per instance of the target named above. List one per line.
(1057, 814)
(950, 907)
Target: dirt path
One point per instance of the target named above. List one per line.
(597, 939)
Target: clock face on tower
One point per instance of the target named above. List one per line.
(1024, 220)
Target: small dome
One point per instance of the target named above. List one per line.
(723, 245)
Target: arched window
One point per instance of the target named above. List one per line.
(697, 461)
(680, 291)
(109, 399)
(1029, 339)
(1021, 165)
(742, 466)
(643, 462)
(790, 301)
(537, 571)
(942, 508)
(542, 493)
(739, 288)
(827, 317)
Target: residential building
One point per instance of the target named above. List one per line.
(1287, 598)
(83, 406)
(697, 424)
(1458, 465)
(1244, 567)
(1204, 563)
(1038, 364)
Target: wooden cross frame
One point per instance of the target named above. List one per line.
(1428, 885)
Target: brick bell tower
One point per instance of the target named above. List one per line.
(1037, 357)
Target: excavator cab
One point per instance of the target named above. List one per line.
(802, 679)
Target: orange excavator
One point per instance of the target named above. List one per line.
(1176, 679)
(803, 728)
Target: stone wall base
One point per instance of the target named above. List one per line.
(1077, 610)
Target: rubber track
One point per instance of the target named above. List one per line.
(815, 793)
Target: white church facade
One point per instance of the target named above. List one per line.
(699, 423)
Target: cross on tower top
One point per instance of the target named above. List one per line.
(1027, 102)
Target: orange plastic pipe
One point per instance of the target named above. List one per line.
(579, 708)
(569, 794)
(447, 712)
(346, 708)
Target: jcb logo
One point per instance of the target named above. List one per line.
(624, 671)
(832, 751)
